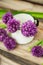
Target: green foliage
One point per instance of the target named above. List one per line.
(35, 44)
(34, 14)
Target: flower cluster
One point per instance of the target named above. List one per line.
(37, 51)
(6, 17)
(9, 42)
(13, 25)
(28, 28)
(3, 34)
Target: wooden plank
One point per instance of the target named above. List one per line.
(16, 59)
(6, 61)
(36, 1)
(21, 5)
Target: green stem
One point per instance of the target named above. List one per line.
(35, 44)
(34, 14)
(41, 44)
(3, 26)
(2, 12)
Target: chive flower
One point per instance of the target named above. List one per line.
(3, 34)
(6, 17)
(37, 51)
(13, 25)
(9, 43)
(28, 28)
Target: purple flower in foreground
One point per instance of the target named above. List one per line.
(28, 28)
(3, 34)
(9, 43)
(37, 51)
(6, 17)
(42, 51)
(13, 25)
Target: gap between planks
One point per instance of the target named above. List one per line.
(7, 61)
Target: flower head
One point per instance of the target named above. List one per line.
(6, 17)
(42, 51)
(10, 43)
(28, 28)
(13, 25)
(37, 51)
(3, 34)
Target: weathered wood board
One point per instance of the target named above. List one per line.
(21, 5)
(6, 61)
(21, 50)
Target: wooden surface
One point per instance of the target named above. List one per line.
(6, 61)
(12, 59)
(21, 50)
(21, 5)
(36, 1)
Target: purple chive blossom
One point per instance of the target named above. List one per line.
(9, 43)
(42, 51)
(37, 51)
(6, 17)
(13, 25)
(3, 34)
(28, 28)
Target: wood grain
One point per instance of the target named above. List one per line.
(35, 1)
(20, 5)
(17, 59)
(6, 61)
